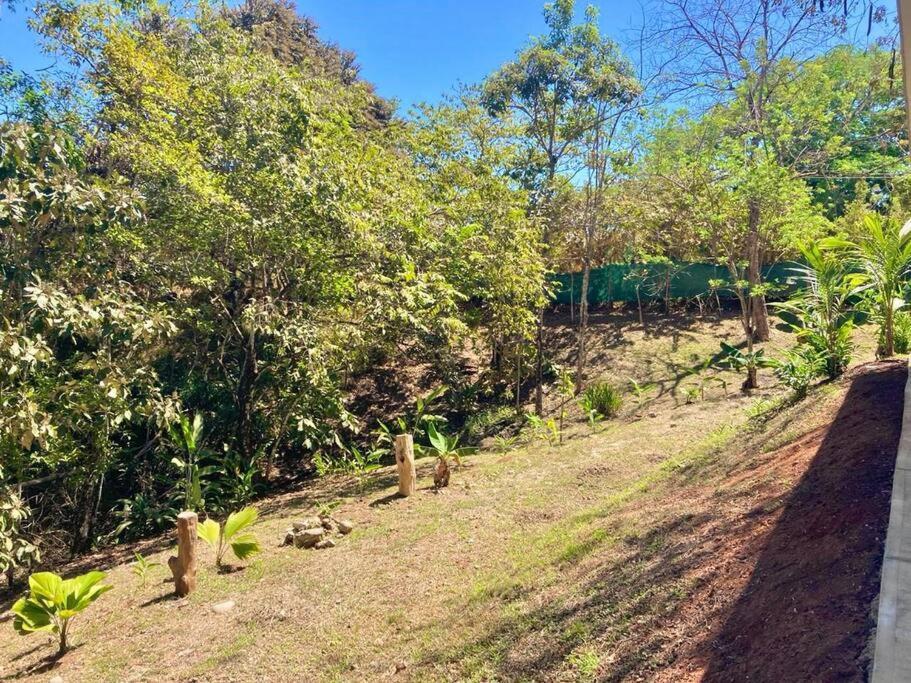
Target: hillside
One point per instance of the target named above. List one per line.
(643, 549)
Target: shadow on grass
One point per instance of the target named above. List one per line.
(813, 551)
(42, 666)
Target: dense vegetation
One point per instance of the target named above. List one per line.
(211, 229)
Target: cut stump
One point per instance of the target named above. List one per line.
(183, 567)
(404, 463)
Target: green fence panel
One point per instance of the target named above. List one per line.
(677, 280)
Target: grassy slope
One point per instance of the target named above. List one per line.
(547, 561)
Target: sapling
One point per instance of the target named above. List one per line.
(229, 535)
(53, 602)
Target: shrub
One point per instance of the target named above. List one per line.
(15, 550)
(601, 398)
(222, 537)
(902, 332)
(52, 603)
(821, 308)
(799, 368)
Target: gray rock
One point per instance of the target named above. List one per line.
(309, 537)
(289, 537)
(325, 543)
(307, 523)
(223, 607)
(345, 526)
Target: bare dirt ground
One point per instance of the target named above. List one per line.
(703, 534)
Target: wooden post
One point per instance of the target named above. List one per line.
(404, 463)
(183, 567)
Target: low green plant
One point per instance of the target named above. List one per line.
(141, 568)
(902, 332)
(600, 400)
(749, 361)
(640, 390)
(231, 535)
(544, 428)
(799, 367)
(53, 602)
(445, 449)
(504, 444)
(187, 435)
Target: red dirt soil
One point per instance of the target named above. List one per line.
(791, 594)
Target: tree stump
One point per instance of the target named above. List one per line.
(404, 463)
(183, 567)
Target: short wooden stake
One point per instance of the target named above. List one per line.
(404, 463)
(183, 567)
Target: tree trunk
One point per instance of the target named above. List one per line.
(248, 374)
(888, 345)
(441, 474)
(539, 366)
(760, 314)
(583, 324)
(82, 537)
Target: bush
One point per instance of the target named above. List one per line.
(799, 368)
(601, 398)
(902, 332)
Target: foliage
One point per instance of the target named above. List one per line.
(601, 400)
(445, 448)
(53, 602)
(883, 256)
(902, 340)
(820, 309)
(141, 568)
(799, 368)
(188, 435)
(16, 552)
(544, 428)
(744, 361)
(231, 535)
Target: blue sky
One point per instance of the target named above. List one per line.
(413, 50)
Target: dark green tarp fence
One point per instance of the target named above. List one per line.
(619, 281)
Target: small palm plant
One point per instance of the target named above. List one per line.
(445, 448)
(231, 535)
(821, 308)
(883, 256)
(52, 603)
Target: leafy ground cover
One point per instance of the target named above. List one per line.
(641, 549)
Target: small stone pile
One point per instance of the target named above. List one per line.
(316, 532)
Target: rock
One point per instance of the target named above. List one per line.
(223, 607)
(307, 523)
(289, 537)
(345, 526)
(325, 543)
(309, 537)
(329, 525)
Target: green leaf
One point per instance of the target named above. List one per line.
(46, 585)
(240, 520)
(209, 532)
(245, 546)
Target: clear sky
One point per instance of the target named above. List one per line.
(413, 50)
